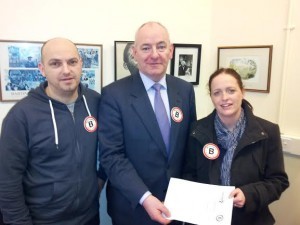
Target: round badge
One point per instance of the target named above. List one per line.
(211, 151)
(90, 124)
(176, 114)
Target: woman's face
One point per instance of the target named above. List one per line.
(226, 96)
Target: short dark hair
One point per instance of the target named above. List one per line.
(228, 71)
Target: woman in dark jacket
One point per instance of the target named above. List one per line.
(233, 147)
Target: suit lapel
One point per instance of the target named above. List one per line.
(175, 100)
(144, 110)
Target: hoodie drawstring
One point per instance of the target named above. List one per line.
(54, 124)
(86, 105)
(54, 121)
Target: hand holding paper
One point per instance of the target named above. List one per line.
(199, 203)
(156, 209)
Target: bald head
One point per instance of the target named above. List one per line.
(152, 25)
(56, 46)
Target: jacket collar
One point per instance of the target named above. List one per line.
(204, 130)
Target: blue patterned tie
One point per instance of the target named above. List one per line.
(161, 115)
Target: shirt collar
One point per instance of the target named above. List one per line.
(148, 83)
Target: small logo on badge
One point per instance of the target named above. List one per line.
(90, 124)
(211, 151)
(176, 114)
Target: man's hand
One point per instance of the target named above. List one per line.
(155, 209)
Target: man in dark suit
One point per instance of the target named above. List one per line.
(182, 68)
(137, 160)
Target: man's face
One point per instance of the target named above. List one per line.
(62, 67)
(152, 51)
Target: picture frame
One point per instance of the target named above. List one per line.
(19, 68)
(185, 62)
(125, 64)
(253, 63)
(19, 71)
(92, 65)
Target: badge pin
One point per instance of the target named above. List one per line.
(211, 151)
(176, 114)
(90, 124)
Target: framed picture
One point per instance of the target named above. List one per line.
(92, 59)
(185, 63)
(253, 63)
(125, 64)
(19, 68)
(19, 71)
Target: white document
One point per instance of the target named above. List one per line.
(198, 203)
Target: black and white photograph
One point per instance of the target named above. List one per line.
(125, 63)
(185, 63)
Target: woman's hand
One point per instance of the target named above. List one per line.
(239, 199)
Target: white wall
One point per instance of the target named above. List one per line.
(240, 23)
(289, 120)
(211, 23)
(290, 106)
(103, 22)
(243, 23)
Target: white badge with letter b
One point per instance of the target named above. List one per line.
(211, 151)
(90, 124)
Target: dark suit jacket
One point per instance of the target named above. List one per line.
(1, 219)
(132, 150)
(182, 70)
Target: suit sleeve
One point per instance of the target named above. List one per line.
(190, 160)
(193, 115)
(121, 173)
(189, 165)
(13, 163)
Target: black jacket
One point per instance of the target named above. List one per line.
(257, 165)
